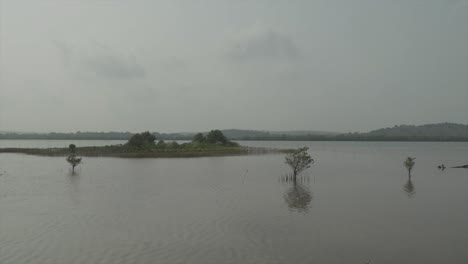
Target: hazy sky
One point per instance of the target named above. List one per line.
(172, 65)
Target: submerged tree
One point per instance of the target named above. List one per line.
(72, 158)
(299, 160)
(409, 163)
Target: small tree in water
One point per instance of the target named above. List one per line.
(72, 158)
(299, 160)
(409, 163)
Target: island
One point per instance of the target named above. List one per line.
(144, 145)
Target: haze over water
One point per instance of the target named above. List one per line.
(265, 65)
(354, 204)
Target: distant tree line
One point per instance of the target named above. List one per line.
(272, 137)
(431, 132)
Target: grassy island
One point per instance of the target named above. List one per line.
(144, 145)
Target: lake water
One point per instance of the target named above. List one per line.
(354, 204)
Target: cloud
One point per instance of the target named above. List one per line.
(65, 50)
(264, 45)
(100, 61)
(458, 6)
(114, 67)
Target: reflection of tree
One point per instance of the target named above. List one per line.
(74, 187)
(298, 197)
(409, 188)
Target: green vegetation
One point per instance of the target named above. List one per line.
(199, 138)
(214, 137)
(143, 140)
(299, 160)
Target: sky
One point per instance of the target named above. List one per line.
(195, 65)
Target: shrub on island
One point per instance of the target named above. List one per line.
(142, 140)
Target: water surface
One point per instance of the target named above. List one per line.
(355, 204)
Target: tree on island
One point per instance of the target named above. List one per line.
(216, 137)
(72, 158)
(299, 160)
(161, 144)
(140, 140)
(199, 138)
(409, 163)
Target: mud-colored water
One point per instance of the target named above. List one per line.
(355, 204)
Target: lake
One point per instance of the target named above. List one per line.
(353, 205)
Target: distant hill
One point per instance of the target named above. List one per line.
(242, 134)
(443, 130)
(303, 132)
(239, 133)
(247, 134)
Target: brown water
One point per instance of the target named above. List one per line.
(355, 204)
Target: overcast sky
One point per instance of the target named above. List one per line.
(173, 65)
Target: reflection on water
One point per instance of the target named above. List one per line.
(73, 184)
(409, 188)
(74, 172)
(289, 178)
(298, 197)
